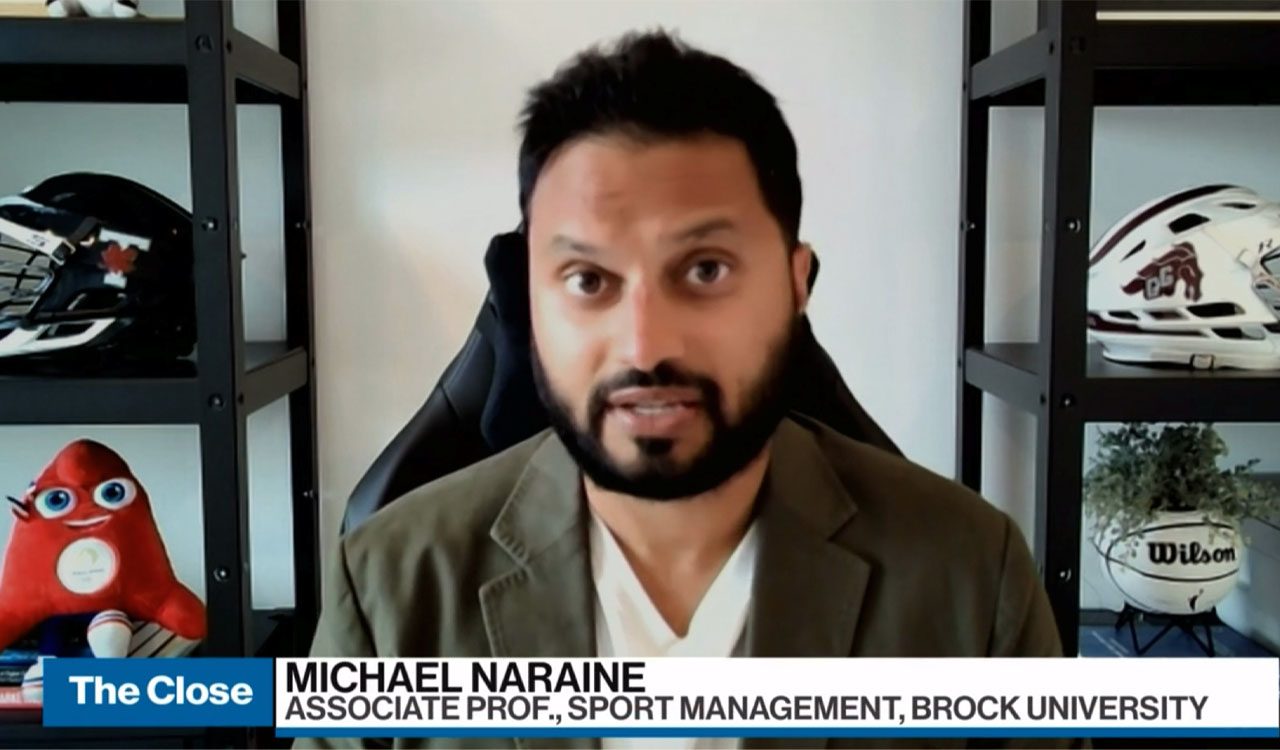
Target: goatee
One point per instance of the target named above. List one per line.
(657, 474)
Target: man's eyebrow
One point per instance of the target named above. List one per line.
(701, 230)
(562, 243)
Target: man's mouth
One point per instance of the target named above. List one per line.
(86, 523)
(649, 399)
(659, 408)
(654, 412)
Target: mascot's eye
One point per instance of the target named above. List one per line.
(115, 493)
(55, 502)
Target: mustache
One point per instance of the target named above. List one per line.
(665, 374)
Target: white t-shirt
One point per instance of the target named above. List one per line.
(629, 625)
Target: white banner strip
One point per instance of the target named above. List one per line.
(777, 697)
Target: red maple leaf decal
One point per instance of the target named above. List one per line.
(118, 259)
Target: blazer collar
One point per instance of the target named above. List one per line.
(808, 589)
(544, 607)
(807, 593)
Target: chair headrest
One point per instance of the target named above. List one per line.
(486, 400)
(512, 410)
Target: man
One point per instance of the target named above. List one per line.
(676, 508)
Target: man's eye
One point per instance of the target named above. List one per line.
(585, 283)
(707, 272)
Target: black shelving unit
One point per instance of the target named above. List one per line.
(1072, 64)
(201, 61)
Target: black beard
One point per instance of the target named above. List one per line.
(659, 477)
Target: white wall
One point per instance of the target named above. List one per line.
(413, 131)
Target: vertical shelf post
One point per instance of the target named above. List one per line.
(1068, 159)
(974, 147)
(215, 194)
(300, 328)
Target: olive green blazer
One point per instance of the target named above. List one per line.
(862, 553)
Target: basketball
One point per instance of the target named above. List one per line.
(1178, 564)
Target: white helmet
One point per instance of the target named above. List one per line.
(1192, 278)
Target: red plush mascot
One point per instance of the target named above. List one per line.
(85, 542)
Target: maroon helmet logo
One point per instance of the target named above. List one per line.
(1160, 277)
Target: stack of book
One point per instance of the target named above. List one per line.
(14, 663)
(149, 640)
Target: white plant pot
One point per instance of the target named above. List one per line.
(1178, 564)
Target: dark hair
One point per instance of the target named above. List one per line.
(653, 86)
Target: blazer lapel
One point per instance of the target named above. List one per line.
(544, 607)
(806, 597)
(808, 590)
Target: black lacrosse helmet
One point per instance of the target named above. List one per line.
(98, 264)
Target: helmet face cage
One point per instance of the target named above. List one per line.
(68, 282)
(28, 259)
(1266, 279)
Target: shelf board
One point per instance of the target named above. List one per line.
(1013, 67)
(125, 60)
(1007, 371)
(31, 396)
(23, 729)
(273, 633)
(1130, 393)
(264, 68)
(37, 399)
(92, 41)
(1183, 8)
(1148, 63)
(1183, 45)
(272, 372)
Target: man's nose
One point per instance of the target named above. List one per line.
(649, 330)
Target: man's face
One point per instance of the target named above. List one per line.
(663, 301)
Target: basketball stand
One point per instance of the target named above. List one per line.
(1186, 623)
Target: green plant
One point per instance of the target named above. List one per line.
(1140, 470)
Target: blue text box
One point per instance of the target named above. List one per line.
(192, 692)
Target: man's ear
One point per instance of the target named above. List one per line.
(803, 266)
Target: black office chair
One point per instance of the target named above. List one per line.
(486, 401)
